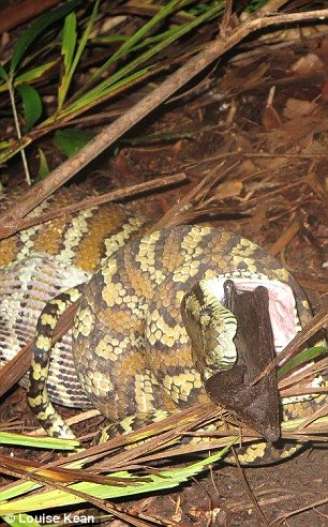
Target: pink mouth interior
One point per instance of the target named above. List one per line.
(282, 308)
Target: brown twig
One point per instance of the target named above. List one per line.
(253, 499)
(17, 14)
(285, 238)
(13, 370)
(145, 106)
(283, 517)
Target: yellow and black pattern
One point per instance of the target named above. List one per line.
(211, 328)
(131, 352)
(41, 262)
(129, 324)
(38, 397)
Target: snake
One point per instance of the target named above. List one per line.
(129, 353)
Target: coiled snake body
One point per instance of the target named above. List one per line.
(129, 353)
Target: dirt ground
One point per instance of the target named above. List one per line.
(221, 498)
(259, 129)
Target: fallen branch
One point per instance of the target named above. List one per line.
(145, 106)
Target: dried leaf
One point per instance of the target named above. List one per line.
(298, 107)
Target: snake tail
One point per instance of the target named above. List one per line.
(38, 397)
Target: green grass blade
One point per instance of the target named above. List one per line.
(51, 443)
(138, 36)
(17, 489)
(69, 40)
(92, 96)
(43, 165)
(85, 37)
(4, 145)
(32, 105)
(69, 43)
(301, 358)
(34, 73)
(89, 100)
(36, 28)
(68, 47)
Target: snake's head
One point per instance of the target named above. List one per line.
(229, 377)
(256, 404)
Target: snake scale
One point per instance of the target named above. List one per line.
(129, 353)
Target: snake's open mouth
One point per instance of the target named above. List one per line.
(282, 305)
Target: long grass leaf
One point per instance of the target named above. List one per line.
(69, 40)
(90, 100)
(4, 144)
(51, 443)
(14, 490)
(138, 36)
(36, 28)
(67, 50)
(85, 37)
(43, 165)
(34, 73)
(69, 43)
(104, 87)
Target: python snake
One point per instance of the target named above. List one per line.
(129, 353)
